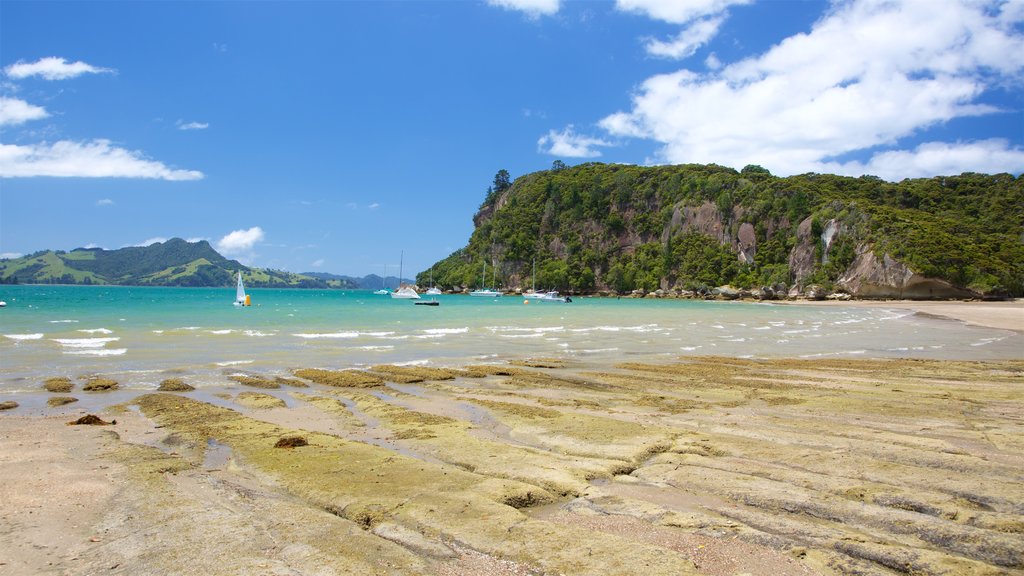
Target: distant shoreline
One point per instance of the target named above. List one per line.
(1002, 315)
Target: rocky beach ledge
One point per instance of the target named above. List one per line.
(703, 465)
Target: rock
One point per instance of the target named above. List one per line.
(801, 257)
(843, 296)
(100, 385)
(413, 540)
(815, 292)
(871, 277)
(746, 243)
(8, 405)
(60, 401)
(175, 385)
(726, 292)
(291, 442)
(91, 420)
(59, 385)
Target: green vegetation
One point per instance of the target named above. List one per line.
(172, 263)
(597, 227)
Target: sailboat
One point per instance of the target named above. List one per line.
(485, 292)
(404, 292)
(433, 290)
(533, 294)
(383, 291)
(241, 298)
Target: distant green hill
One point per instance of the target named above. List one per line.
(171, 263)
(619, 228)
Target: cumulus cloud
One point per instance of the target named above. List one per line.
(10, 255)
(318, 263)
(532, 8)
(568, 144)
(53, 68)
(867, 74)
(14, 111)
(104, 202)
(676, 11)
(240, 242)
(182, 125)
(94, 159)
(151, 241)
(686, 43)
(374, 206)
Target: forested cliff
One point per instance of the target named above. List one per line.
(622, 228)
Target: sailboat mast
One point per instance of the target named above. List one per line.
(401, 261)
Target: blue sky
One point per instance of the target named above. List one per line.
(332, 136)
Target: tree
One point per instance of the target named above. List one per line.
(558, 166)
(502, 181)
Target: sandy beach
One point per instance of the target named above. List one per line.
(709, 465)
(1008, 315)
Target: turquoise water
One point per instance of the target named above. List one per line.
(143, 335)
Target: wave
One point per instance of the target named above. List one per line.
(258, 333)
(63, 321)
(328, 335)
(234, 362)
(98, 352)
(85, 342)
(446, 330)
(219, 332)
(97, 331)
(24, 336)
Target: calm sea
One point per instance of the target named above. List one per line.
(140, 336)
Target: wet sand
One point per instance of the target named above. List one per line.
(1008, 315)
(714, 466)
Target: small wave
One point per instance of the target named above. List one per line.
(24, 336)
(378, 334)
(374, 348)
(63, 321)
(257, 333)
(537, 335)
(446, 330)
(234, 362)
(841, 353)
(329, 335)
(97, 331)
(598, 350)
(227, 331)
(188, 328)
(84, 342)
(987, 341)
(98, 352)
(413, 363)
(763, 328)
(158, 331)
(689, 348)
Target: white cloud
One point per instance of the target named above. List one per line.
(532, 8)
(182, 125)
(240, 242)
(151, 241)
(568, 144)
(866, 75)
(10, 255)
(934, 158)
(712, 62)
(95, 159)
(52, 68)
(686, 43)
(374, 206)
(677, 11)
(14, 111)
(318, 263)
(104, 202)
(194, 240)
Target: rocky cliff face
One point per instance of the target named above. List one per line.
(871, 277)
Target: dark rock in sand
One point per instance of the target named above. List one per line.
(100, 385)
(291, 442)
(175, 385)
(60, 400)
(91, 420)
(59, 385)
(8, 405)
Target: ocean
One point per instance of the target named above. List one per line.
(140, 336)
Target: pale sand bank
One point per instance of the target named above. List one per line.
(1007, 315)
(710, 466)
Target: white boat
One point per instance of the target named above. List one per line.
(241, 298)
(433, 290)
(552, 297)
(533, 294)
(383, 291)
(404, 292)
(485, 292)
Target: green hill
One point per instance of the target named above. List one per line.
(619, 228)
(171, 263)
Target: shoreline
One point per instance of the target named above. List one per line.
(1001, 315)
(537, 466)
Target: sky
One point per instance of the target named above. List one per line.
(347, 137)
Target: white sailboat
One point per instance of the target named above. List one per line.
(241, 298)
(404, 292)
(433, 290)
(485, 292)
(383, 291)
(533, 294)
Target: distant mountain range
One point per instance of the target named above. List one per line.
(175, 262)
